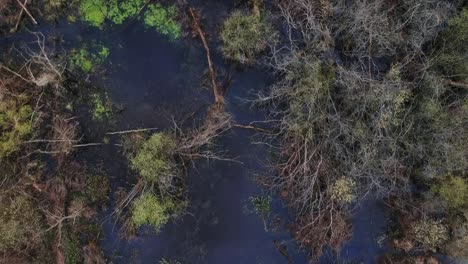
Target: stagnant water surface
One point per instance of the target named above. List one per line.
(154, 80)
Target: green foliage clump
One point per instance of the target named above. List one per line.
(163, 19)
(15, 125)
(101, 107)
(85, 60)
(93, 11)
(21, 226)
(342, 191)
(119, 11)
(453, 190)
(154, 161)
(150, 210)
(430, 234)
(244, 36)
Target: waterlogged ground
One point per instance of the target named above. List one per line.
(151, 79)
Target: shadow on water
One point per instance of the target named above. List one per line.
(152, 79)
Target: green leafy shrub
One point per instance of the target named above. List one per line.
(163, 19)
(15, 126)
(343, 191)
(453, 190)
(244, 36)
(430, 234)
(21, 226)
(154, 160)
(150, 210)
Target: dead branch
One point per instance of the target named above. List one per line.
(19, 17)
(132, 131)
(23, 6)
(218, 94)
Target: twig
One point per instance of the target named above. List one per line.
(254, 128)
(19, 17)
(457, 84)
(131, 131)
(27, 12)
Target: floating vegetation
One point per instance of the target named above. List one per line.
(93, 12)
(262, 207)
(86, 60)
(162, 18)
(101, 107)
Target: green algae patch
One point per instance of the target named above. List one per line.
(163, 19)
(86, 60)
(93, 12)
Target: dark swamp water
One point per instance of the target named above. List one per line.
(152, 79)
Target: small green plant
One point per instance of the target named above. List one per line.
(163, 19)
(150, 210)
(262, 207)
(154, 160)
(343, 191)
(453, 190)
(101, 107)
(21, 226)
(244, 36)
(85, 60)
(15, 126)
(430, 234)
